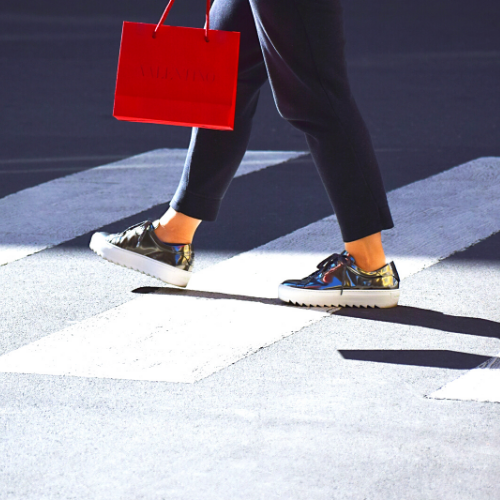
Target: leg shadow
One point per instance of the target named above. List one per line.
(414, 316)
(429, 358)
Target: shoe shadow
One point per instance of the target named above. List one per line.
(207, 295)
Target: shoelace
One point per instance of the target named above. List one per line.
(145, 226)
(335, 258)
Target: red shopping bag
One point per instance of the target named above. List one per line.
(177, 76)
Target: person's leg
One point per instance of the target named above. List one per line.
(163, 249)
(303, 47)
(213, 155)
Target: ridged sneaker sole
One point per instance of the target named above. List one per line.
(337, 298)
(138, 262)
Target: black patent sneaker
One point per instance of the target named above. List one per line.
(140, 249)
(340, 283)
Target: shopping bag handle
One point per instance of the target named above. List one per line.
(167, 10)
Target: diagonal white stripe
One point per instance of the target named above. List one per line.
(185, 338)
(162, 338)
(57, 211)
(480, 384)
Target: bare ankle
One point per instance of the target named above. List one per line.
(175, 227)
(172, 237)
(369, 265)
(368, 252)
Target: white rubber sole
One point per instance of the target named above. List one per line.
(339, 298)
(137, 262)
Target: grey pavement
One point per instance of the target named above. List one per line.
(341, 409)
(318, 415)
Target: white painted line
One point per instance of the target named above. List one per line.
(58, 159)
(179, 338)
(62, 209)
(160, 338)
(480, 384)
(56, 37)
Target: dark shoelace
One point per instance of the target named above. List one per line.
(145, 225)
(335, 258)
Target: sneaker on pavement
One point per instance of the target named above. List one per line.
(338, 282)
(140, 249)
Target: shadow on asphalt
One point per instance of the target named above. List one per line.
(207, 295)
(426, 318)
(418, 357)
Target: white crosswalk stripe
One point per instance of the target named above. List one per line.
(57, 211)
(220, 320)
(480, 384)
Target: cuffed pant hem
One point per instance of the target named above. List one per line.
(350, 237)
(356, 232)
(197, 207)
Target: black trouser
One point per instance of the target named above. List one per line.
(299, 46)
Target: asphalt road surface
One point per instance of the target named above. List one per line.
(116, 386)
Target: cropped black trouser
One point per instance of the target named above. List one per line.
(299, 46)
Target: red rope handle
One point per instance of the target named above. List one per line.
(167, 10)
(207, 20)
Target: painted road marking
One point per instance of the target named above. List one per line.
(186, 336)
(51, 213)
(480, 384)
(191, 338)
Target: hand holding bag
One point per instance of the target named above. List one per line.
(177, 76)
